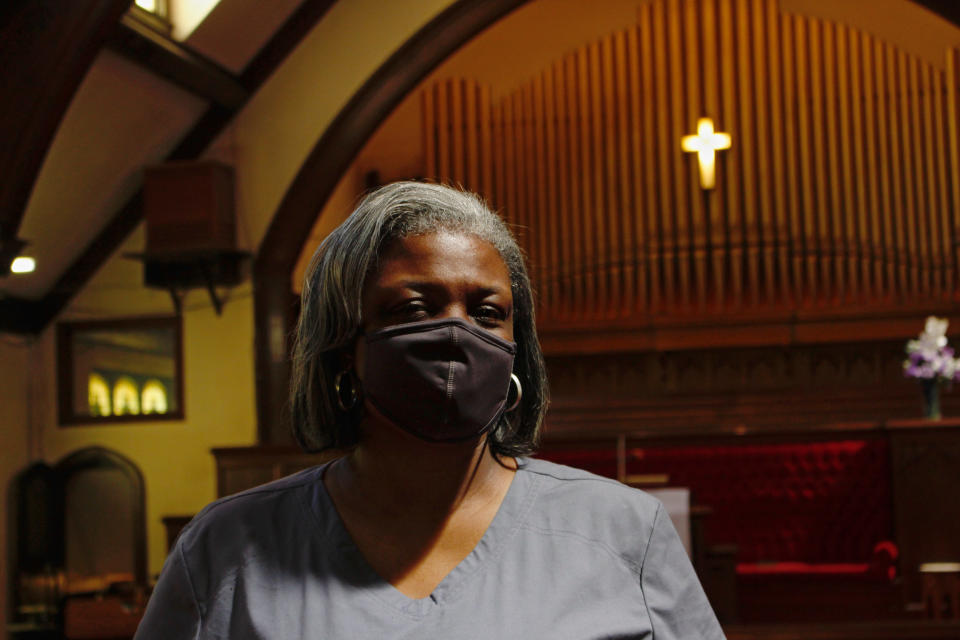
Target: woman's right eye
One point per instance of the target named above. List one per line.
(411, 310)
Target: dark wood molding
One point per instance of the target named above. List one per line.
(275, 309)
(318, 176)
(872, 630)
(741, 392)
(283, 41)
(762, 328)
(46, 47)
(19, 315)
(173, 61)
(947, 9)
(86, 264)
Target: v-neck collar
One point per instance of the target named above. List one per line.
(347, 557)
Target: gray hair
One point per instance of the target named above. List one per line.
(330, 311)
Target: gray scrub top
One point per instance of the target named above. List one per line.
(569, 555)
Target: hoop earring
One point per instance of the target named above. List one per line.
(516, 403)
(337, 387)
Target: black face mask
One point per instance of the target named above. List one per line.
(440, 380)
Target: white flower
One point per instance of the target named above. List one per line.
(936, 331)
(931, 340)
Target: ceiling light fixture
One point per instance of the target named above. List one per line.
(23, 264)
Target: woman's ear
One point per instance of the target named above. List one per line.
(351, 358)
(346, 383)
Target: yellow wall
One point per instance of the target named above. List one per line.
(276, 131)
(174, 456)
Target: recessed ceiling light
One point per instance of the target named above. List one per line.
(23, 264)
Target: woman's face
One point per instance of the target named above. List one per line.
(436, 276)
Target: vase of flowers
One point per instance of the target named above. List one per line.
(932, 363)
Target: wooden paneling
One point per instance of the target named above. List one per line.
(840, 191)
(242, 468)
(925, 463)
(726, 393)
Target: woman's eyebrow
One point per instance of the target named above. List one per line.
(428, 286)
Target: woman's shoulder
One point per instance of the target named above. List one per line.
(253, 513)
(569, 483)
(573, 502)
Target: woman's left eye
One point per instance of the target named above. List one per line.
(489, 315)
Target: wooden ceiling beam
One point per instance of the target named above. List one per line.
(177, 63)
(46, 47)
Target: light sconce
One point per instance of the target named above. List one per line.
(23, 264)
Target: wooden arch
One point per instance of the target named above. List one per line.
(101, 458)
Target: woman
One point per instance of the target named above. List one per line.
(416, 352)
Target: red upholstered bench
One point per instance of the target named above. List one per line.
(812, 508)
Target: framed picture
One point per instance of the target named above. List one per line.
(120, 370)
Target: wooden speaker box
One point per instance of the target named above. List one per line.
(188, 207)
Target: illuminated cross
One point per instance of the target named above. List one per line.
(706, 143)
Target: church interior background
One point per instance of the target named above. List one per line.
(743, 341)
